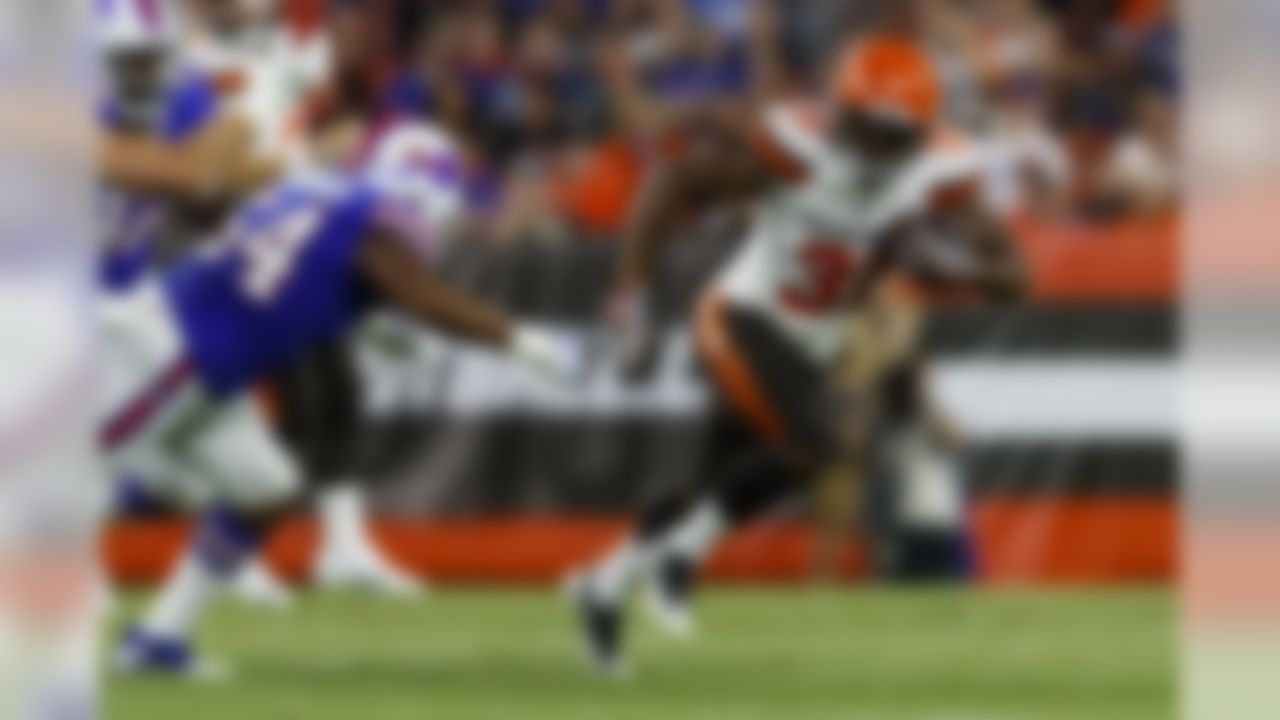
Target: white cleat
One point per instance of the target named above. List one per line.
(370, 572)
(350, 557)
(256, 585)
(674, 619)
(668, 598)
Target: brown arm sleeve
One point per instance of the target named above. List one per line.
(734, 162)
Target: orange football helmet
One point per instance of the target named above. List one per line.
(889, 76)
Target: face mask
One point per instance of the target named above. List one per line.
(139, 83)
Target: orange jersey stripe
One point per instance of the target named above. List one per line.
(732, 372)
(780, 161)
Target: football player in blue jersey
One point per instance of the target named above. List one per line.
(178, 151)
(282, 78)
(296, 268)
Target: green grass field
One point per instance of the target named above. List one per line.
(796, 654)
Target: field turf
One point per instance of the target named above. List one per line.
(793, 654)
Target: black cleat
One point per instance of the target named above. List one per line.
(601, 624)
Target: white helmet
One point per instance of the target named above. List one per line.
(127, 25)
(138, 43)
(419, 172)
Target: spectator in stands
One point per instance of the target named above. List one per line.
(1141, 173)
(1115, 79)
(585, 89)
(1027, 166)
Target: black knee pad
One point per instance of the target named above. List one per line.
(663, 512)
(757, 485)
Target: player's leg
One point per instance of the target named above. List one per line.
(237, 460)
(145, 391)
(775, 429)
(672, 538)
(306, 427)
(325, 421)
(350, 556)
(148, 392)
(319, 418)
(740, 480)
(256, 583)
(879, 347)
(772, 433)
(923, 485)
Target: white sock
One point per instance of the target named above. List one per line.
(183, 599)
(693, 537)
(342, 519)
(613, 576)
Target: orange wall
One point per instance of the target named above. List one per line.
(1021, 541)
(1132, 260)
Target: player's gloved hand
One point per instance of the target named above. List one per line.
(630, 316)
(559, 357)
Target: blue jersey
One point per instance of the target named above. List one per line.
(281, 280)
(132, 221)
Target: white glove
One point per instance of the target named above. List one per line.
(559, 357)
(630, 314)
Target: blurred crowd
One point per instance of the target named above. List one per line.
(1073, 101)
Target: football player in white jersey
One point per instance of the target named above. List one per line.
(165, 138)
(844, 190)
(269, 71)
(273, 75)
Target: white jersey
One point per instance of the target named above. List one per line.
(810, 237)
(269, 74)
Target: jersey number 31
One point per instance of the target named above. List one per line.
(826, 269)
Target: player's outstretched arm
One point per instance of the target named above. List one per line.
(400, 277)
(724, 168)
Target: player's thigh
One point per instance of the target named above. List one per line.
(167, 476)
(320, 411)
(795, 392)
(147, 395)
(141, 365)
(245, 461)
